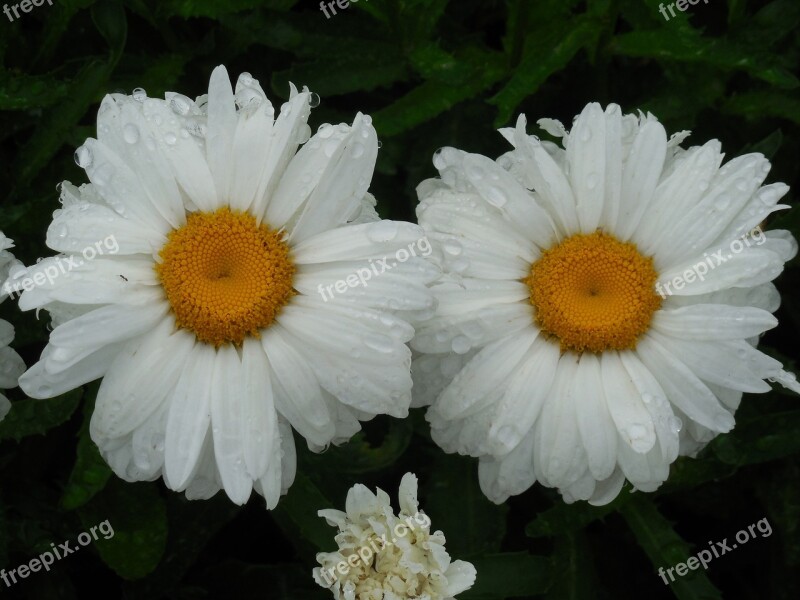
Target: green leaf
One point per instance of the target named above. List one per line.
(344, 73)
(478, 526)
(665, 549)
(192, 525)
(760, 440)
(569, 518)
(509, 575)
(358, 456)
(687, 473)
(91, 473)
(432, 98)
(19, 91)
(137, 514)
(687, 45)
(109, 18)
(768, 146)
(736, 10)
(573, 571)
(773, 22)
(36, 417)
(767, 103)
(214, 9)
(299, 509)
(543, 55)
(88, 87)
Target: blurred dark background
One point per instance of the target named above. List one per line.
(431, 73)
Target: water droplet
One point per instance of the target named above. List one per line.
(249, 99)
(383, 231)
(83, 157)
(130, 133)
(591, 181)
(722, 202)
(496, 196)
(331, 146)
(139, 94)
(638, 436)
(303, 134)
(723, 422)
(380, 343)
(170, 138)
(438, 159)
(461, 344)
(180, 104)
(313, 100)
(459, 265)
(476, 173)
(357, 150)
(453, 247)
(675, 424)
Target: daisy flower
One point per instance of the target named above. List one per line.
(11, 365)
(383, 556)
(188, 279)
(601, 303)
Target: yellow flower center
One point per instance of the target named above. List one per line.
(594, 293)
(225, 276)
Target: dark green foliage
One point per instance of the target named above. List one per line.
(431, 73)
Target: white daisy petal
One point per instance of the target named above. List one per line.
(586, 153)
(124, 400)
(286, 135)
(228, 421)
(713, 322)
(203, 315)
(640, 177)
(646, 298)
(625, 406)
(343, 183)
(683, 387)
(297, 394)
(189, 418)
(221, 131)
(592, 408)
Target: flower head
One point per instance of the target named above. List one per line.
(383, 556)
(601, 303)
(11, 364)
(189, 279)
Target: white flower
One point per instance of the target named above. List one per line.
(11, 365)
(552, 356)
(199, 304)
(386, 557)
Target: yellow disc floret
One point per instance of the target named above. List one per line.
(225, 276)
(594, 293)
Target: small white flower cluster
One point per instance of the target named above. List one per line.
(11, 365)
(383, 556)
